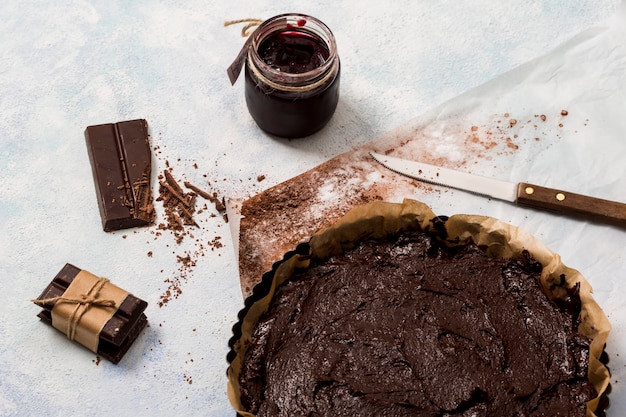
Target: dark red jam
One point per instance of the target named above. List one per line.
(277, 91)
(293, 52)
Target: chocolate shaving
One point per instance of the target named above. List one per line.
(179, 206)
(180, 212)
(220, 205)
(175, 193)
(172, 182)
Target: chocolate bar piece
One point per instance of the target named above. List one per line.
(121, 162)
(119, 332)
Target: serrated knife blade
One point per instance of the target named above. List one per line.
(522, 193)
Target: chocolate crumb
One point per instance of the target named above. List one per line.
(564, 113)
(216, 243)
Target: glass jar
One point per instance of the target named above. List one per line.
(292, 75)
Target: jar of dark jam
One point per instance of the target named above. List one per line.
(292, 76)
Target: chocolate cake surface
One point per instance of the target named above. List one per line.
(406, 316)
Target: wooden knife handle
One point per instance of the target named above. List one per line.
(577, 205)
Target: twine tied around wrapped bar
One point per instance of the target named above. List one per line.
(86, 300)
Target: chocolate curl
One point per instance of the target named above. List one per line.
(234, 69)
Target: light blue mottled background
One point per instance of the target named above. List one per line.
(65, 65)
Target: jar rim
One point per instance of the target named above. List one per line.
(298, 22)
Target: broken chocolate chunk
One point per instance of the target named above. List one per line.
(121, 163)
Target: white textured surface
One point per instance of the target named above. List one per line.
(66, 65)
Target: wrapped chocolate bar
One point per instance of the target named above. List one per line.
(92, 311)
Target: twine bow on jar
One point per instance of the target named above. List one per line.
(234, 69)
(245, 30)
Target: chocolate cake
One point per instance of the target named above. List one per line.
(398, 312)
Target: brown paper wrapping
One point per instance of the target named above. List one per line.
(89, 318)
(501, 240)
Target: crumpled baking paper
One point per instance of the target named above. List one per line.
(380, 219)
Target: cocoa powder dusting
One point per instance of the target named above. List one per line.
(276, 220)
(291, 212)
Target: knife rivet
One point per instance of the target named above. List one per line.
(560, 196)
(529, 190)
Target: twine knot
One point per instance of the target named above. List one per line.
(90, 300)
(85, 300)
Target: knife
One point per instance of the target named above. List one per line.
(522, 194)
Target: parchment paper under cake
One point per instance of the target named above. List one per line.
(380, 219)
